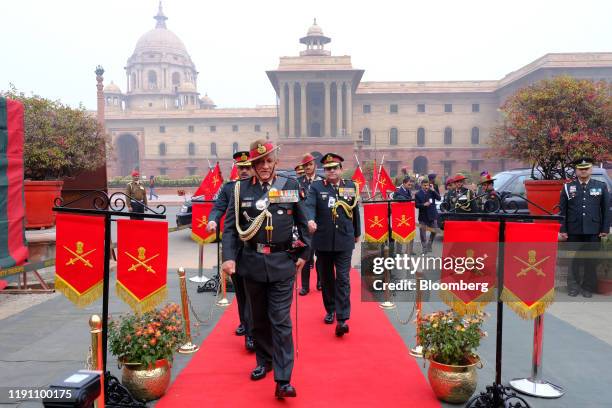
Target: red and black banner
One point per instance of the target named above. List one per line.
(13, 249)
(530, 260)
(464, 241)
(403, 221)
(142, 263)
(79, 257)
(375, 218)
(200, 216)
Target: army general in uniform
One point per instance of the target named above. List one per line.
(335, 222)
(258, 243)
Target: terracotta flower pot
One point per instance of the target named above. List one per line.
(39, 198)
(147, 383)
(453, 383)
(545, 193)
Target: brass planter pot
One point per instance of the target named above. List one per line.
(147, 383)
(453, 383)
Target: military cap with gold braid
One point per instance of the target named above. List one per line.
(261, 148)
(331, 160)
(583, 163)
(242, 159)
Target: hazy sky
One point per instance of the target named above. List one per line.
(52, 47)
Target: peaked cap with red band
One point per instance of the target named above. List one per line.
(242, 159)
(307, 158)
(260, 149)
(331, 160)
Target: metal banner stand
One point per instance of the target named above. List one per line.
(115, 394)
(200, 278)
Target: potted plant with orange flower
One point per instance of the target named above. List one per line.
(144, 345)
(449, 342)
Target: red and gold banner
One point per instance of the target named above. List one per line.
(403, 221)
(530, 260)
(142, 263)
(79, 257)
(376, 222)
(465, 240)
(200, 213)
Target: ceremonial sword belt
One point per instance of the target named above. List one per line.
(257, 222)
(348, 209)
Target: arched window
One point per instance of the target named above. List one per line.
(393, 136)
(162, 149)
(133, 81)
(176, 78)
(475, 135)
(152, 79)
(366, 137)
(213, 149)
(448, 136)
(192, 149)
(234, 147)
(421, 136)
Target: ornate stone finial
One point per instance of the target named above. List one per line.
(160, 17)
(99, 71)
(314, 21)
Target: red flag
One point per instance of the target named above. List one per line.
(200, 213)
(385, 183)
(376, 222)
(234, 173)
(530, 260)
(358, 178)
(403, 221)
(211, 183)
(142, 263)
(79, 257)
(374, 183)
(464, 240)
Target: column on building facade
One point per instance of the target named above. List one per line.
(327, 87)
(281, 109)
(303, 121)
(339, 109)
(349, 109)
(291, 132)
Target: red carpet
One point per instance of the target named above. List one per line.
(369, 367)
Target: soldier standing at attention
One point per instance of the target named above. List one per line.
(585, 205)
(258, 243)
(137, 195)
(462, 199)
(335, 222)
(243, 165)
(306, 180)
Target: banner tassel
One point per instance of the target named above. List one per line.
(473, 307)
(141, 305)
(524, 311)
(81, 300)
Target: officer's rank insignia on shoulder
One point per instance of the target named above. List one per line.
(283, 196)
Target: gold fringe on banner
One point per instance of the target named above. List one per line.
(473, 307)
(199, 239)
(398, 238)
(79, 299)
(141, 305)
(528, 312)
(369, 238)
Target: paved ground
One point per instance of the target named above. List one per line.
(44, 338)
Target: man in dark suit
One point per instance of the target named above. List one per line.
(425, 201)
(585, 205)
(258, 243)
(404, 192)
(305, 180)
(241, 161)
(335, 222)
(432, 182)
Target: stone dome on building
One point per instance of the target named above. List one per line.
(315, 29)
(160, 39)
(112, 88)
(207, 103)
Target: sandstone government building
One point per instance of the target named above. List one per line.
(162, 125)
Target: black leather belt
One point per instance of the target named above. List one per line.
(268, 248)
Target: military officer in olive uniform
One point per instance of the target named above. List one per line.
(335, 222)
(137, 195)
(488, 200)
(258, 244)
(463, 198)
(310, 175)
(242, 163)
(585, 205)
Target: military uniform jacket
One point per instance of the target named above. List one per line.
(333, 236)
(136, 191)
(305, 184)
(254, 265)
(585, 208)
(222, 202)
(463, 201)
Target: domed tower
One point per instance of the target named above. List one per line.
(315, 41)
(207, 103)
(160, 72)
(113, 98)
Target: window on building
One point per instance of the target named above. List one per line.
(192, 170)
(475, 136)
(448, 169)
(258, 128)
(234, 128)
(448, 136)
(192, 149)
(475, 107)
(213, 128)
(190, 128)
(367, 108)
(448, 107)
(162, 129)
(213, 149)
(475, 164)
(176, 79)
(393, 108)
(162, 149)
(152, 78)
(163, 171)
(421, 108)
(421, 136)
(393, 168)
(150, 104)
(393, 136)
(234, 147)
(366, 136)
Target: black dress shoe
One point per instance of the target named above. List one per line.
(329, 318)
(260, 371)
(341, 329)
(304, 292)
(249, 343)
(586, 293)
(284, 391)
(240, 330)
(319, 287)
(572, 292)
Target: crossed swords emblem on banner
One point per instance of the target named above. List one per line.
(202, 221)
(403, 221)
(141, 261)
(79, 255)
(531, 264)
(376, 222)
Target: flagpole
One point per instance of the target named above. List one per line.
(366, 188)
(378, 179)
